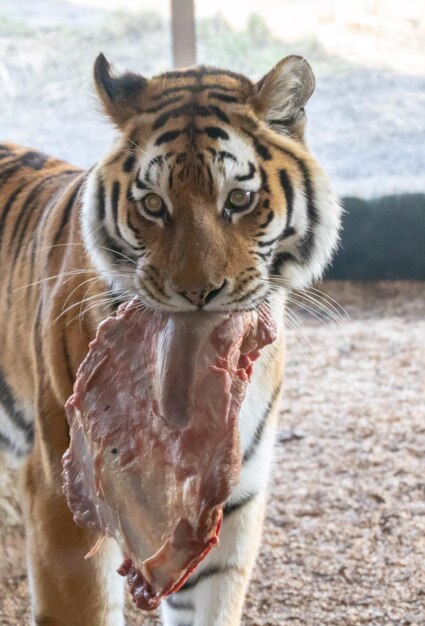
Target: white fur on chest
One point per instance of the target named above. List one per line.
(257, 403)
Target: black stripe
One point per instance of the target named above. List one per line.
(168, 136)
(269, 242)
(170, 177)
(23, 219)
(269, 218)
(39, 227)
(7, 445)
(213, 570)
(7, 172)
(264, 180)
(66, 215)
(289, 196)
(67, 356)
(148, 291)
(129, 163)
(173, 90)
(263, 256)
(219, 113)
(249, 452)
(223, 97)
(104, 240)
(102, 235)
(234, 506)
(260, 148)
(279, 260)
(192, 88)
(101, 212)
(288, 232)
(179, 605)
(210, 179)
(8, 401)
(34, 160)
(116, 302)
(223, 154)
(6, 209)
(247, 295)
(215, 132)
(162, 105)
(188, 109)
(305, 248)
(132, 227)
(250, 174)
(140, 184)
(116, 190)
(24, 216)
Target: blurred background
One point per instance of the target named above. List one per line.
(367, 122)
(344, 536)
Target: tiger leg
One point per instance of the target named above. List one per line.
(215, 593)
(66, 589)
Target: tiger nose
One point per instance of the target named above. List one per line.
(200, 297)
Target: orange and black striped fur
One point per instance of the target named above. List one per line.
(209, 199)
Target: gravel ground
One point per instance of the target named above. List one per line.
(344, 540)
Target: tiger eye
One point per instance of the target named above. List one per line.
(239, 198)
(153, 202)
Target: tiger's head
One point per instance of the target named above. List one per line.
(210, 193)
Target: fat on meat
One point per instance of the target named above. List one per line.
(154, 440)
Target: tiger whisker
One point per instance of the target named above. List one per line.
(71, 274)
(334, 302)
(95, 304)
(310, 310)
(299, 329)
(84, 246)
(74, 304)
(320, 306)
(327, 308)
(142, 151)
(89, 280)
(339, 309)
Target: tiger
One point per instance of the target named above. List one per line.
(208, 200)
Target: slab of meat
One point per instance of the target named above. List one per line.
(154, 449)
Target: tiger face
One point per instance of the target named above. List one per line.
(210, 194)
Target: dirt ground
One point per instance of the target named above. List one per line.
(344, 540)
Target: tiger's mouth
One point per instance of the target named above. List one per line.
(254, 300)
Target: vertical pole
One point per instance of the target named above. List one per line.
(183, 32)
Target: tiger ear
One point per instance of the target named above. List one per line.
(282, 93)
(120, 96)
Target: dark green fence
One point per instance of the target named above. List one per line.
(382, 239)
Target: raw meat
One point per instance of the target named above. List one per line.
(154, 450)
